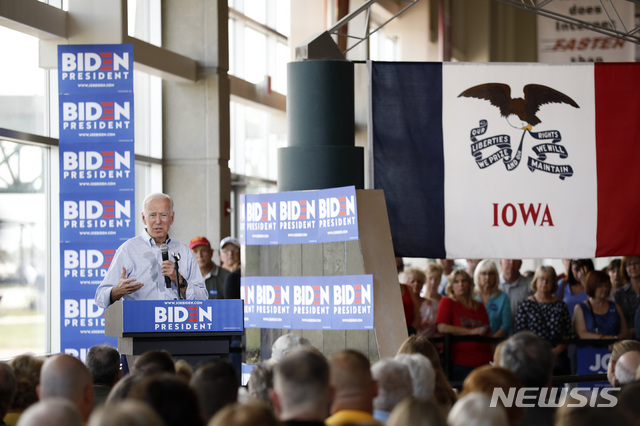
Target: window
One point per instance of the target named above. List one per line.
(258, 41)
(24, 249)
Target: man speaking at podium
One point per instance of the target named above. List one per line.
(143, 267)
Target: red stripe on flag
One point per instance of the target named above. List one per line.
(617, 154)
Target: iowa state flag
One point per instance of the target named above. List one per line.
(508, 160)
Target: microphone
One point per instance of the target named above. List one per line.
(165, 256)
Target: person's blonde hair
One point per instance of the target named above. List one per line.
(443, 393)
(415, 273)
(253, 413)
(416, 412)
(434, 268)
(545, 270)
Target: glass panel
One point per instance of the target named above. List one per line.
(279, 80)
(23, 249)
(22, 84)
(144, 20)
(255, 55)
(282, 17)
(257, 10)
(147, 91)
(256, 135)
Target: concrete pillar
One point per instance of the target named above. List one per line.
(196, 119)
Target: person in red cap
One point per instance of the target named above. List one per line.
(214, 275)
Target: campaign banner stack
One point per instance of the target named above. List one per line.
(97, 197)
(342, 302)
(299, 217)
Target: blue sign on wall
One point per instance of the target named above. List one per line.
(96, 117)
(95, 68)
(97, 184)
(103, 216)
(97, 167)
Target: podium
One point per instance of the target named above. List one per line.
(196, 331)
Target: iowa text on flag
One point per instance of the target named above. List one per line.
(508, 160)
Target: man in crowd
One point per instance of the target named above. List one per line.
(302, 393)
(230, 253)
(51, 412)
(65, 376)
(514, 284)
(394, 385)
(141, 269)
(625, 369)
(103, 361)
(619, 348)
(531, 359)
(354, 388)
(213, 274)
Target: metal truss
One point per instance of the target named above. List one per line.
(613, 27)
(365, 8)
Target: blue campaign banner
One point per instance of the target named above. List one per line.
(97, 167)
(83, 265)
(300, 217)
(105, 216)
(337, 215)
(261, 220)
(95, 68)
(343, 302)
(162, 316)
(591, 360)
(80, 315)
(79, 347)
(96, 117)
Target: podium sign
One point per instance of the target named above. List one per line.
(161, 316)
(193, 330)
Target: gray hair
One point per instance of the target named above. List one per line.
(394, 383)
(153, 197)
(285, 344)
(422, 374)
(529, 356)
(474, 409)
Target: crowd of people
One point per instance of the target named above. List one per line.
(299, 385)
(581, 303)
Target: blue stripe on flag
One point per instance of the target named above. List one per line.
(408, 155)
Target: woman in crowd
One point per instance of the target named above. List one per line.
(495, 302)
(444, 394)
(571, 289)
(425, 321)
(628, 296)
(487, 379)
(462, 315)
(410, 306)
(598, 317)
(547, 316)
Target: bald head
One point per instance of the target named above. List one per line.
(352, 380)
(51, 412)
(67, 377)
(625, 369)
